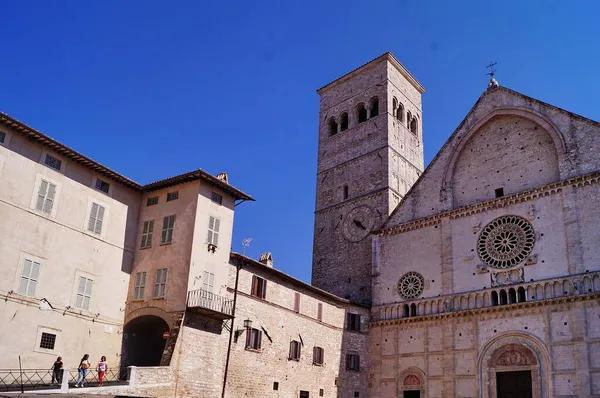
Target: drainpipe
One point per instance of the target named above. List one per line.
(235, 291)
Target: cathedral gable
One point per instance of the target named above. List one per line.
(507, 143)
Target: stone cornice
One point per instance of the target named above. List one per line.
(520, 197)
(487, 310)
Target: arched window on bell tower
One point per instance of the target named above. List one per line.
(374, 106)
(400, 112)
(333, 126)
(344, 121)
(361, 113)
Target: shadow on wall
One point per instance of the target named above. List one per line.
(352, 380)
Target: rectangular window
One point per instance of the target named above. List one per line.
(213, 231)
(499, 192)
(320, 312)
(356, 394)
(160, 283)
(318, 355)
(259, 287)
(352, 362)
(152, 201)
(294, 350)
(215, 197)
(353, 322)
(321, 392)
(47, 341)
(2, 137)
(304, 394)
(102, 185)
(84, 293)
(29, 278)
(172, 196)
(147, 231)
(208, 282)
(140, 284)
(45, 199)
(253, 339)
(275, 385)
(167, 231)
(297, 302)
(96, 218)
(52, 162)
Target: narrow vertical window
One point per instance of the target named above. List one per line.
(208, 282)
(374, 107)
(259, 287)
(139, 285)
(353, 322)
(333, 126)
(147, 231)
(352, 362)
(84, 293)
(253, 339)
(29, 278)
(361, 113)
(345, 192)
(213, 231)
(318, 355)
(167, 231)
(320, 312)
(160, 283)
(45, 200)
(96, 219)
(499, 192)
(344, 122)
(294, 350)
(297, 302)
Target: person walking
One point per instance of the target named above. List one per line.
(101, 370)
(57, 371)
(82, 371)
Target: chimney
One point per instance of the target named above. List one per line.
(223, 177)
(266, 259)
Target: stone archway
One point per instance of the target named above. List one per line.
(144, 340)
(519, 358)
(411, 383)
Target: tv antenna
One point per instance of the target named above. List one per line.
(246, 244)
(492, 69)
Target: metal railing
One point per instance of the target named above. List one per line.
(15, 380)
(204, 299)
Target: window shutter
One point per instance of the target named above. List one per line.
(217, 224)
(172, 221)
(99, 220)
(164, 275)
(249, 338)
(297, 302)
(41, 195)
(138, 277)
(150, 226)
(93, 215)
(88, 294)
(145, 228)
(80, 292)
(347, 361)
(254, 290)
(291, 350)
(49, 202)
(299, 350)
(259, 333)
(320, 312)
(25, 277)
(35, 274)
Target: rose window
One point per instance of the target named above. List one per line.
(505, 242)
(411, 285)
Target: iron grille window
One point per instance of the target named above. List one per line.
(253, 339)
(102, 185)
(352, 362)
(45, 199)
(353, 322)
(160, 284)
(29, 278)
(140, 284)
(215, 197)
(96, 218)
(52, 162)
(294, 350)
(167, 231)
(84, 293)
(259, 287)
(318, 355)
(213, 231)
(152, 201)
(147, 231)
(47, 341)
(172, 196)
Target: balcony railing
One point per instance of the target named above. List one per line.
(516, 293)
(207, 303)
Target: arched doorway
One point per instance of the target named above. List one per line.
(144, 341)
(411, 383)
(514, 365)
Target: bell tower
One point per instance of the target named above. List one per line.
(370, 153)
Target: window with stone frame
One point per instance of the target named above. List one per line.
(96, 218)
(160, 283)
(294, 350)
(253, 339)
(84, 293)
(318, 356)
(353, 322)
(167, 230)
(259, 287)
(29, 278)
(139, 286)
(102, 185)
(212, 237)
(53, 162)
(147, 231)
(48, 341)
(352, 362)
(172, 196)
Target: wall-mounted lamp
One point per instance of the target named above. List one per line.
(248, 324)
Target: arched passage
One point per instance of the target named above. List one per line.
(144, 341)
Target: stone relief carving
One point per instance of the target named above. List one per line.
(482, 268)
(477, 228)
(513, 355)
(531, 213)
(532, 260)
(503, 278)
(411, 380)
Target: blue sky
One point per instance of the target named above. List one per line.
(153, 89)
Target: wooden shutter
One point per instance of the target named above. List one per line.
(25, 277)
(41, 195)
(320, 312)
(88, 294)
(291, 350)
(259, 339)
(215, 240)
(264, 289)
(249, 338)
(33, 278)
(93, 215)
(253, 290)
(211, 225)
(49, 202)
(80, 292)
(99, 220)
(297, 302)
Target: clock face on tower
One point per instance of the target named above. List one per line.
(359, 222)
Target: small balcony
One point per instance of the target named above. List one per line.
(212, 305)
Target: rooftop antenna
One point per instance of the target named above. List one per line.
(246, 244)
(493, 82)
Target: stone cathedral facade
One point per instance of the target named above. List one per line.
(482, 271)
